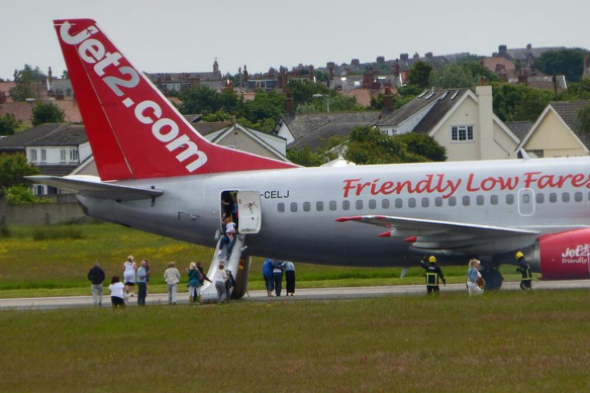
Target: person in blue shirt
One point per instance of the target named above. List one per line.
(142, 283)
(267, 275)
(473, 276)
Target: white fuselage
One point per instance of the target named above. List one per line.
(299, 206)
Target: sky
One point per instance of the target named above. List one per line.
(188, 35)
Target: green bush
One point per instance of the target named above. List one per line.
(58, 232)
(5, 231)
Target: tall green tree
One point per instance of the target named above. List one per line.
(519, 102)
(423, 145)
(584, 117)
(8, 124)
(576, 91)
(27, 81)
(47, 112)
(13, 169)
(419, 74)
(461, 75)
(568, 62)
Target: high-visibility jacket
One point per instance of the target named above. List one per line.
(525, 270)
(433, 273)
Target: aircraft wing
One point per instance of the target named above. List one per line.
(434, 234)
(97, 189)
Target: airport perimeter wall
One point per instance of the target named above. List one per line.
(64, 209)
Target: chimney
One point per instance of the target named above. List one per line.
(355, 62)
(429, 55)
(245, 74)
(502, 49)
(529, 46)
(416, 56)
(289, 104)
(380, 59)
(388, 98)
(404, 57)
(485, 122)
(311, 72)
(331, 71)
(2, 98)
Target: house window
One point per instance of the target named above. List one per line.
(462, 133)
(33, 155)
(73, 155)
(62, 155)
(43, 155)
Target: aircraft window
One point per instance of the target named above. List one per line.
(412, 202)
(294, 207)
(466, 200)
(359, 204)
(385, 204)
(526, 198)
(510, 199)
(425, 202)
(345, 205)
(578, 197)
(565, 197)
(306, 206)
(438, 201)
(333, 205)
(540, 198)
(399, 203)
(479, 200)
(319, 206)
(494, 199)
(553, 197)
(372, 204)
(281, 207)
(452, 201)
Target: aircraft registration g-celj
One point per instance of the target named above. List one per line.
(157, 174)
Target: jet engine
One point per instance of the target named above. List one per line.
(561, 256)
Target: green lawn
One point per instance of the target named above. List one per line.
(501, 342)
(57, 267)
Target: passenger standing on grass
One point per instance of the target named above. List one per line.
(194, 283)
(277, 276)
(289, 269)
(200, 268)
(96, 276)
(141, 284)
(172, 278)
(220, 279)
(117, 296)
(267, 275)
(129, 271)
(473, 276)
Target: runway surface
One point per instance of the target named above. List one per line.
(260, 296)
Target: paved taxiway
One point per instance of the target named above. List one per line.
(301, 294)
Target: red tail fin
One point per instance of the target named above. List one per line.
(134, 131)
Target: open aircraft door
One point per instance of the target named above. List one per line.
(250, 212)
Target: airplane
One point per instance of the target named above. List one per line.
(159, 175)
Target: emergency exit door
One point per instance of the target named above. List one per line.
(526, 202)
(250, 212)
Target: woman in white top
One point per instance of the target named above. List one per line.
(172, 278)
(117, 296)
(129, 272)
(220, 279)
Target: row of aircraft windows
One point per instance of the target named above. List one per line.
(438, 202)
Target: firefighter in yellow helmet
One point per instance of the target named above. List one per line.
(433, 273)
(525, 270)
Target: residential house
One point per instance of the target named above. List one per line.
(459, 120)
(558, 132)
(315, 129)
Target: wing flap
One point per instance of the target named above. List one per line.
(86, 186)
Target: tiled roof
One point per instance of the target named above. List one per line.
(568, 111)
(320, 137)
(23, 111)
(444, 104)
(523, 53)
(64, 135)
(192, 118)
(6, 86)
(543, 82)
(411, 108)
(56, 170)
(18, 141)
(519, 128)
(362, 96)
(206, 128)
(304, 124)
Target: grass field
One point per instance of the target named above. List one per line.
(501, 342)
(57, 262)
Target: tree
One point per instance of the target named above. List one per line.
(584, 117)
(26, 81)
(423, 145)
(47, 112)
(305, 157)
(460, 75)
(368, 145)
(13, 169)
(8, 124)
(16, 195)
(568, 62)
(419, 74)
(519, 102)
(576, 91)
(304, 90)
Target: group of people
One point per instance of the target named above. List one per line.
(475, 282)
(272, 272)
